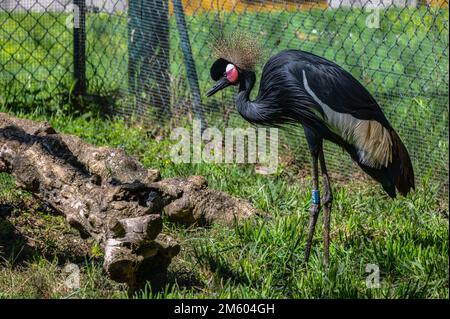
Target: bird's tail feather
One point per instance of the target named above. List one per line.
(398, 174)
(401, 167)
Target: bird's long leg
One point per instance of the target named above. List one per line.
(326, 201)
(315, 205)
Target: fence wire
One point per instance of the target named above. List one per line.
(150, 59)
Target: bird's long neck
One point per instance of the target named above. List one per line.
(248, 109)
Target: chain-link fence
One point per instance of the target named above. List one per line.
(151, 59)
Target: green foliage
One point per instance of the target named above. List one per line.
(404, 63)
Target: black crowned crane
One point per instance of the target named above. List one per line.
(328, 102)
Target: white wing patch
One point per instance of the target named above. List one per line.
(372, 140)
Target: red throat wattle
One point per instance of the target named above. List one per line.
(232, 73)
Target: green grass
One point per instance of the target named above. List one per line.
(406, 55)
(407, 238)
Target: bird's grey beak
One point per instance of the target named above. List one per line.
(221, 84)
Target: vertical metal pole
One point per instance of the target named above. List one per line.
(79, 46)
(188, 59)
(148, 52)
(134, 18)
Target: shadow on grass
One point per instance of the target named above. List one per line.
(19, 243)
(13, 245)
(218, 265)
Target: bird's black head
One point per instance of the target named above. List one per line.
(225, 73)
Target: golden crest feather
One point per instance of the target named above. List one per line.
(239, 47)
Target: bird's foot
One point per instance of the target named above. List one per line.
(327, 200)
(313, 214)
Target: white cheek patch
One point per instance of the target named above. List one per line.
(372, 140)
(229, 68)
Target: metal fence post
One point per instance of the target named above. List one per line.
(148, 55)
(79, 46)
(188, 59)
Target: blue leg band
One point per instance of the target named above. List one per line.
(315, 197)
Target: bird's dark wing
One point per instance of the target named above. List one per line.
(341, 91)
